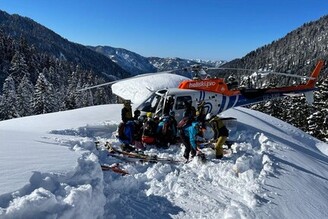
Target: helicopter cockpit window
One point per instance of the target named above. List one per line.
(181, 100)
(150, 104)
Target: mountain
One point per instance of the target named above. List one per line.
(165, 64)
(137, 64)
(47, 41)
(129, 61)
(297, 52)
(42, 72)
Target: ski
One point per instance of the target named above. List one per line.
(115, 168)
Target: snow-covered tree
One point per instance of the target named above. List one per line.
(44, 99)
(8, 105)
(25, 92)
(18, 67)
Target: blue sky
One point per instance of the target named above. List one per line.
(205, 29)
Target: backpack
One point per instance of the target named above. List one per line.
(121, 134)
(185, 121)
(125, 131)
(166, 127)
(149, 128)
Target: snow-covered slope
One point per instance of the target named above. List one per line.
(50, 168)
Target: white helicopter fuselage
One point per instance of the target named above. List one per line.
(157, 102)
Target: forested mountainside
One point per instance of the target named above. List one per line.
(36, 83)
(48, 42)
(296, 53)
(40, 72)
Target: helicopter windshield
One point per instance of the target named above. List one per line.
(151, 103)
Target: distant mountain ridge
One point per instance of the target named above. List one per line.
(128, 60)
(137, 64)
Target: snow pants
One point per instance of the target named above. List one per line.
(218, 146)
(189, 149)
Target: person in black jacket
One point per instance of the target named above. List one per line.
(126, 112)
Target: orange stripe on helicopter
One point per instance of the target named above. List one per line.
(217, 85)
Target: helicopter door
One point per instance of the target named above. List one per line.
(160, 106)
(179, 106)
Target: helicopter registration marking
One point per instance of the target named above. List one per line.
(202, 84)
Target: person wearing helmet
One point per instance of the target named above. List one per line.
(126, 111)
(136, 114)
(149, 130)
(221, 133)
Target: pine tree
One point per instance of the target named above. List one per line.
(25, 92)
(18, 67)
(44, 99)
(71, 94)
(8, 105)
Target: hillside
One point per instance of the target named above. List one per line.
(46, 41)
(296, 53)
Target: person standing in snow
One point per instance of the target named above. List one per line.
(221, 133)
(189, 139)
(126, 111)
(136, 114)
(200, 113)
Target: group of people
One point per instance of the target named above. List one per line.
(140, 130)
(144, 130)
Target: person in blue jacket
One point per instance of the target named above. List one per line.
(189, 137)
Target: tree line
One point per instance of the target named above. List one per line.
(35, 83)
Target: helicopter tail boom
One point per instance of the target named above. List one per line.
(315, 74)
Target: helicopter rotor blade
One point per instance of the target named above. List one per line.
(264, 72)
(124, 79)
(96, 86)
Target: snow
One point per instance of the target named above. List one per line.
(140, 87)
(50, 169)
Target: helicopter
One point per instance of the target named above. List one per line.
(218, 94)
